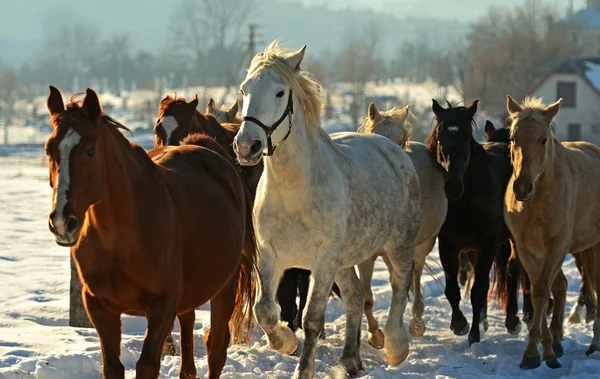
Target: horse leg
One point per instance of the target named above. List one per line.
(594, 269)
(187, 369)
(375, 337)
(396, 337)
(514, 268)
(485, 260)
(286, 295)
(587, 296)
(527, 301)
(218, 335)
(313, 320)
(354, 301)
(280, 337)
(161, 316)
(303, 282)
(559, 293)
(417, 325)
(449, 253)
(108, 326)
(169, 346)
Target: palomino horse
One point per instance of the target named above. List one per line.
(394, 125)
(552, 207)
(176, 120)
(587, 296)
(324, 204)
(475, 180)
(144, 237)
(227, 114)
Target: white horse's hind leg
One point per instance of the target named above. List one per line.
(281, 338)
(322, 277)
(375, 337)
(417, 325)
(352, 294)
(396, 337)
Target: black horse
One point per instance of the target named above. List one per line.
(476, 177)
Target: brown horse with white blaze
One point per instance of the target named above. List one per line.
(154, 235)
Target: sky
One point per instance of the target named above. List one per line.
(22, 22)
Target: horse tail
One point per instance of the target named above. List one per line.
(246, 287)
(500, 276)
(587, 260)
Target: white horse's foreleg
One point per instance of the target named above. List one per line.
(352, 294)
(375, 337)
(417, 325)
(396, 337)
(281, 338)
(313, 321)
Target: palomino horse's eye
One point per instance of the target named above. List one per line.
(91, 152)
(544, 141)
(280, 94)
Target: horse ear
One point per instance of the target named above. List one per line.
(194, 101)
(438, 110)
(210, 106)
(511, 106)
(165, 99)
(489, 128)
(373, 112)
(472, 108)
(552, 109)
(234, 109)
(91, 104)
(294, 60)
(55, 101)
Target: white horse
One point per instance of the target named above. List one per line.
(394, 125)
(323, 204)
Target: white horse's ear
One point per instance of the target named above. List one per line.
(373, 112)
(511, 106)
(294, 60)
(552, 109)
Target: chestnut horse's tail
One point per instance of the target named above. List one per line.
(501, 276)
(246, 285)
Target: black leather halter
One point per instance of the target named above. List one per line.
(289, 111)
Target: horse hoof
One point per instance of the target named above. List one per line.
(376, 340)
(460, 330)
(559, 351)
(529, 363)
(553, 363)
(169, 349)
(291, 345)
(352, 366)
(417, 327)
(474, 338)
(591, 350)
(395, 360)
(516, 329)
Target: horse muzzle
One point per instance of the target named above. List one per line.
(66, 232)
(523, 189)
(249, 152)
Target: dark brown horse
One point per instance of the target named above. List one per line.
(143, 233)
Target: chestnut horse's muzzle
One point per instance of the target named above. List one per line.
(65, 233)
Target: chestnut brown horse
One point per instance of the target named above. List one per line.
(144, 236)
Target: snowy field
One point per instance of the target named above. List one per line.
(36, 342)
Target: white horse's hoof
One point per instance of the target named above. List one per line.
(376, 340)
(290, 342)
(395, 360)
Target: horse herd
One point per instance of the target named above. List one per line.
(247, 211)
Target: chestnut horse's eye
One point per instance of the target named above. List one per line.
(280, 94)
(544, 141)
(91, 152)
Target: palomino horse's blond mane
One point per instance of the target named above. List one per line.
(533, 108)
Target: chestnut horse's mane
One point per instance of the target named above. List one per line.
(74, 108)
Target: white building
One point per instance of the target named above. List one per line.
(577, 82)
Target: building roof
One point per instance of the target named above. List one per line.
(586, 67)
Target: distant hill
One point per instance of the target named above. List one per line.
(22, 24)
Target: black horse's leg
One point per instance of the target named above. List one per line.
(303, 284)
(485, 260)
(449, 255)
(514, 268)
(286, 296)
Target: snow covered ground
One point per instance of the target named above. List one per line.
(35, 341)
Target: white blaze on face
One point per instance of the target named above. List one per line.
(453, 129)
(63, 181)
(169, 123)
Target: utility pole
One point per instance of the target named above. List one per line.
(251, 42)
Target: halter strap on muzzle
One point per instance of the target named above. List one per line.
(289, 110)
